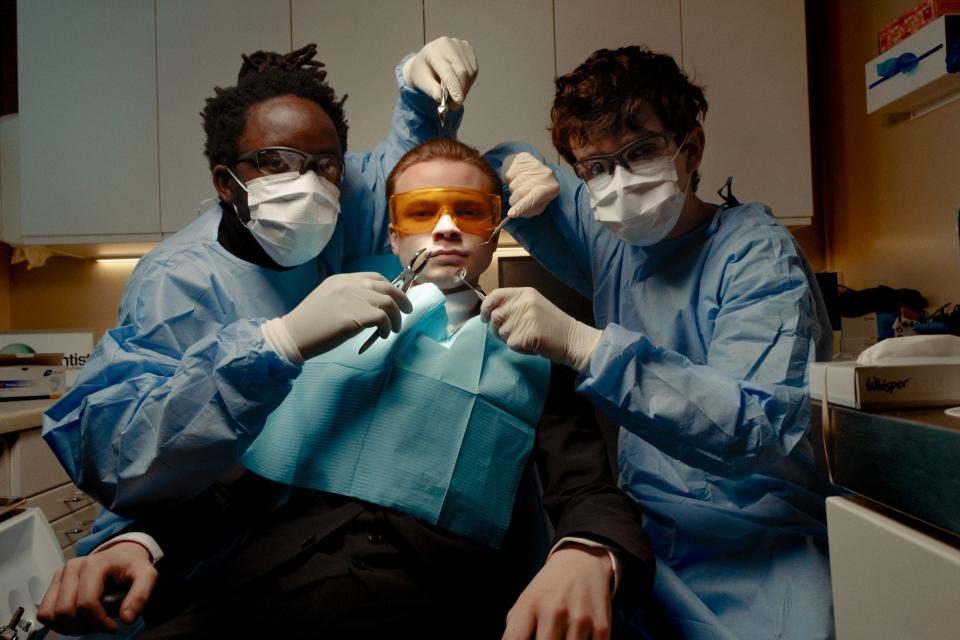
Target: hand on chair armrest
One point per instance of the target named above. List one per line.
(73, 603)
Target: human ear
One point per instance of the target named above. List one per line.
(394, 240)
(223, 182)
(694, 149)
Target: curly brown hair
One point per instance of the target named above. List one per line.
(611, 92)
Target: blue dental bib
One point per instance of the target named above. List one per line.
(439, 428)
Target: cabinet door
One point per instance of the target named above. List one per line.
(198, 48)
(88, 120)
(751, 55)
(584, 27)
(514, 45)
(360, 42)
(10, 178)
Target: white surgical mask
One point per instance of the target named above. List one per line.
(641, 205)
(292, 215)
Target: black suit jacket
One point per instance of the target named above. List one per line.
(232, 533)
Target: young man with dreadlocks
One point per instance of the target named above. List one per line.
(215, 322)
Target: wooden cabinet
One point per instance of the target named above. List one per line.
(198, 48)
(583, 27)
(88, 120)
(514, 45)
(29, 468)
(111, 141)
(361, 42)
(752, 57)
(892, 578)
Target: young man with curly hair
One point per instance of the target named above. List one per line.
(707, 317)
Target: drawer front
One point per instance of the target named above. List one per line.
(74, 526)
(69, 553)
(60, 501)
(35, 469)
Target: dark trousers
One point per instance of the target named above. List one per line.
(359, 583)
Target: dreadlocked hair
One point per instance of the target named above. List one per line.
(265, 75)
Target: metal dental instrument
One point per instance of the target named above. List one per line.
(403, 281)
(442, 107)
(461, 277)
(496, 230)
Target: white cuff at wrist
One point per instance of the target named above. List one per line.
(587, 542)
(145, 540)
(277, 337)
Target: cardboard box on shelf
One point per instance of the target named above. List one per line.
(860, 386)
(36, 376)
(914, 20)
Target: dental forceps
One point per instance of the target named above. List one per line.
(496, 230)
(442, 107)
(461, 277)
(403, 281)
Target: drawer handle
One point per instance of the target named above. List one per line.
(71, 532)
(78, 498)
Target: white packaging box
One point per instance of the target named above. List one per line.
(34, 377)
(864, 326)
(933, 80)
(75, 345)
(852, 384)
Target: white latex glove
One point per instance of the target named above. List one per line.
(338, 309)
(529, 323)
(569, 598)
(72, 604)
(448, 59)
(531, 183)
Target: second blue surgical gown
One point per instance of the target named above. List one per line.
(172, 396)
(703, 362)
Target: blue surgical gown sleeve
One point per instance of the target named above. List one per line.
(565, 238)
(744, 403)
(363, 198)
(746, 406)
(172, 397)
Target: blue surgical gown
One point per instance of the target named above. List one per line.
(172, 396)
(703, 362)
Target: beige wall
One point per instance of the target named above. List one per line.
(891, 191)
(66, 293)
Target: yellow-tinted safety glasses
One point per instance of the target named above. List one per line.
(418, 211)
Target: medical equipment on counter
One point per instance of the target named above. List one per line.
(403, 281)
(461, 277)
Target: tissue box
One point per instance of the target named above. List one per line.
(918, 73)
(38, 376)
(860, 386)
(914, 20)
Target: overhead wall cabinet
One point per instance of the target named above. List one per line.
(199, 45)
(361, 42)
(88, 120)
(111, 142)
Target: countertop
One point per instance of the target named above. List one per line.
(18, 415)
(905, 459)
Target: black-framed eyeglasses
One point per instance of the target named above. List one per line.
(272, 160)
(649, 147)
